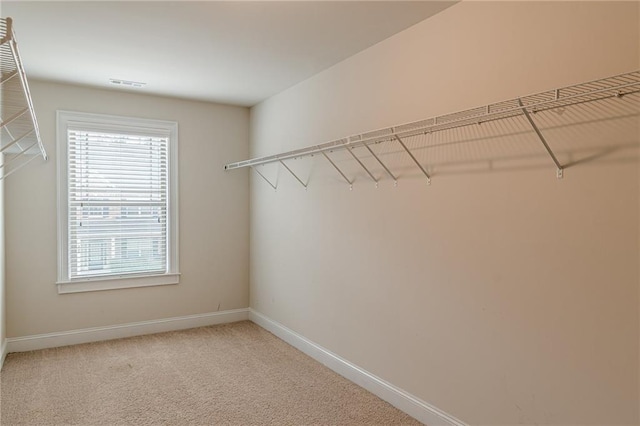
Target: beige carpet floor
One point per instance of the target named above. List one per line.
(233, 374)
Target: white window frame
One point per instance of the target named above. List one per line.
(121, 124)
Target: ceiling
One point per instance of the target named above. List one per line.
(233, 52)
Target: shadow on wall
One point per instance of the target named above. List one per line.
(607, 131)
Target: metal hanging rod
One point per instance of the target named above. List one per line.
(591, 91)
(18, 115)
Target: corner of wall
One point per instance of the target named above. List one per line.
(3, 352)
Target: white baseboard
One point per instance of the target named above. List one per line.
(395, 396)
(402, 400)
(94, 334)
(3, 352)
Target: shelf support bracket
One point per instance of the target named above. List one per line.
(293, 174)
(350, 149)
(14, 117)
(16, 140)
(338, 169)
(559, 168)
(10, 172)
(18, 155)
(415, 160)
(8, 76)
(386, 169)
(263, 177)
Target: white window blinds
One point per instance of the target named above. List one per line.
(118, 194)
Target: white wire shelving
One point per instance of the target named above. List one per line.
(20, 141)
(525, 107)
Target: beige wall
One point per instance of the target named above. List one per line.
(499, 293)
(213, 215)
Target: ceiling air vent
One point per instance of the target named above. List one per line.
(126, 83)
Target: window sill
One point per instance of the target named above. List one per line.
(111, 283)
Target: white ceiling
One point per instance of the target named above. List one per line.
(232, 52)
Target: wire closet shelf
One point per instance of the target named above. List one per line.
(525, 106)
(20, 141)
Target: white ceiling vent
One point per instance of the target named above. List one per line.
(126, 83)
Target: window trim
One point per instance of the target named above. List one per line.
(114, 122)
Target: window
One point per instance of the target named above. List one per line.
(117, 201)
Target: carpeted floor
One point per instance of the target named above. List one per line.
(233, 374)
